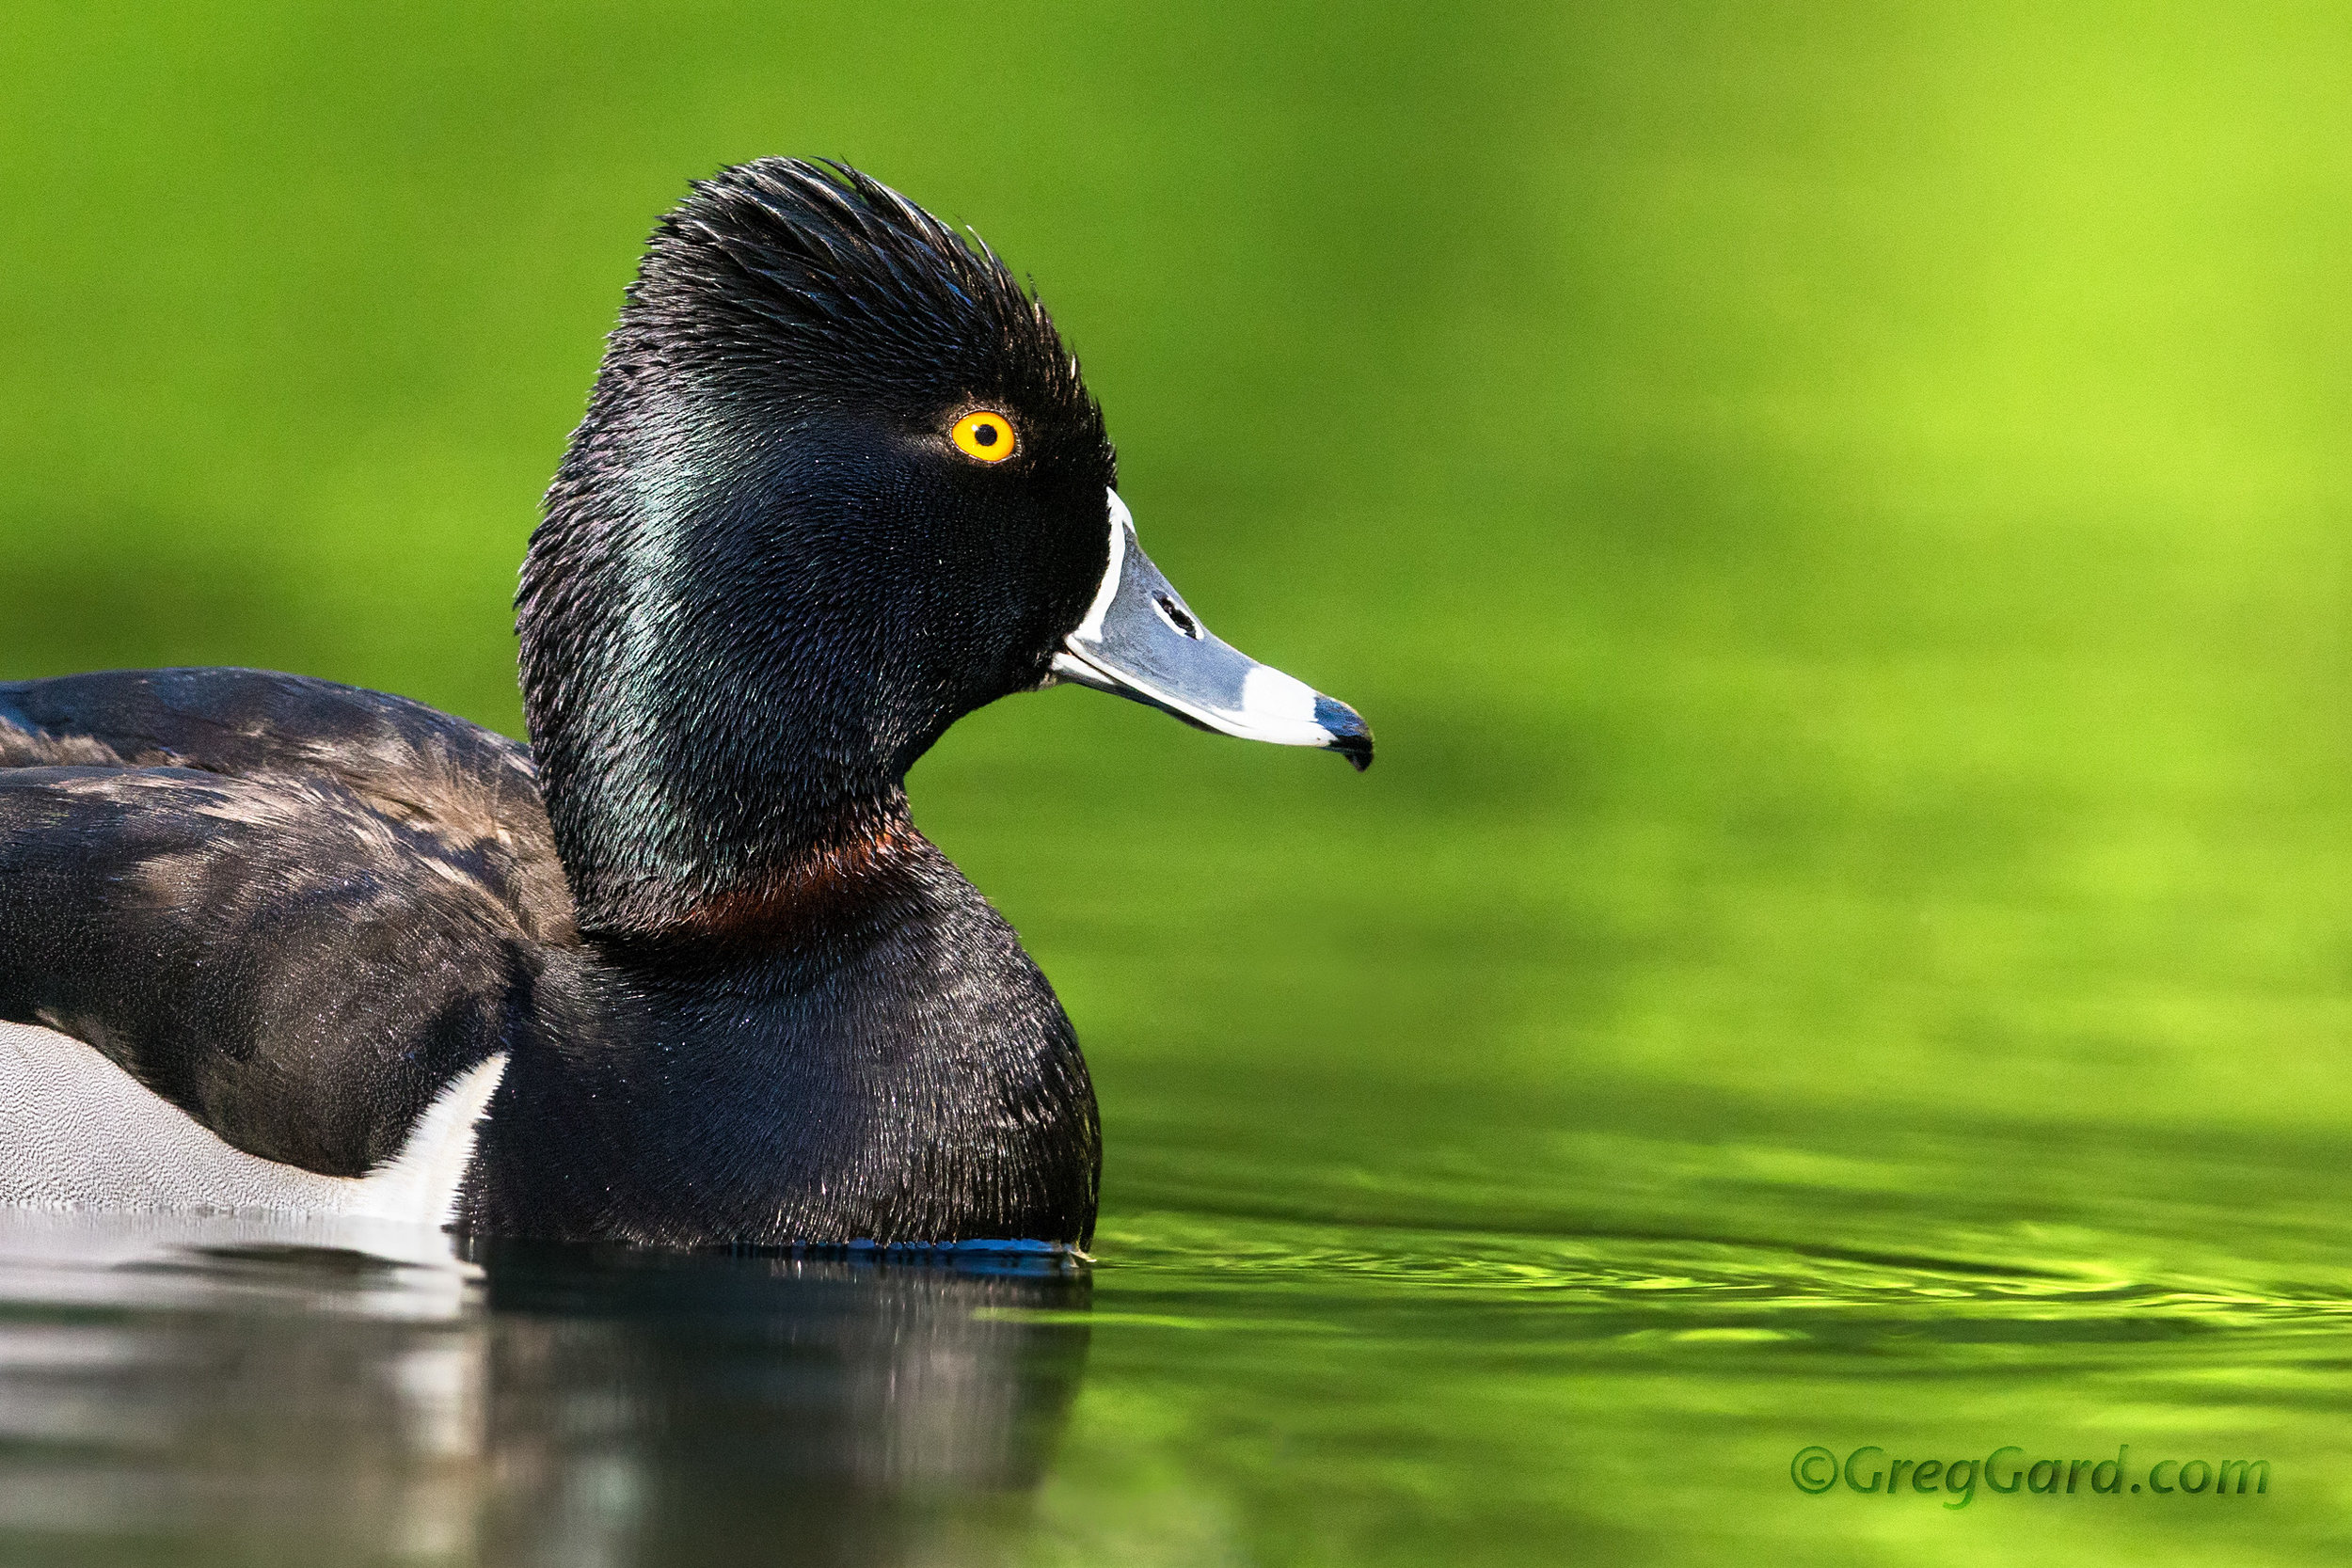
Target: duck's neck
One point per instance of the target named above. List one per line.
(696, 846)
(718, 740)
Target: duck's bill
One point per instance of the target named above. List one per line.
(1139, 640)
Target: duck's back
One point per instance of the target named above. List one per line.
(296, 914)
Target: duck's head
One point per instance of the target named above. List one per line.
(839, 484)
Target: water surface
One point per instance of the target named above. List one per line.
(1601, 1342)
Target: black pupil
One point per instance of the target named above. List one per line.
(985, 434)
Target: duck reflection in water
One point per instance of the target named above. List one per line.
(704, 1405)
(257, 1399)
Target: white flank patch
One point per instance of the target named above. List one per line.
(76, 1132)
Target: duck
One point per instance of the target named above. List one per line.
(680, 970)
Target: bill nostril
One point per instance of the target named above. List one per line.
(1177, 615)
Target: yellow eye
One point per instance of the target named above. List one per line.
(985, 435)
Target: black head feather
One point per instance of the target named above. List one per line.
(766, 580)
(861, 293)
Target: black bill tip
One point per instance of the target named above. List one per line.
(1350, 735)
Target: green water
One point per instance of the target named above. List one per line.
(1837, 516)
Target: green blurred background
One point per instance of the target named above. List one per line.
(1836, 515)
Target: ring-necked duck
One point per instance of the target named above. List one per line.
(682, 972)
